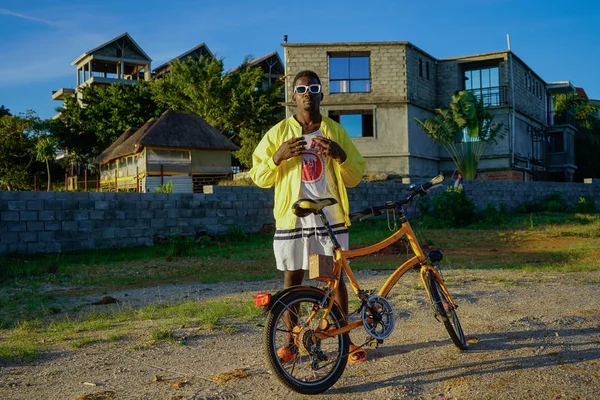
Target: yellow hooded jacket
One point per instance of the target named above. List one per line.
(286, 177)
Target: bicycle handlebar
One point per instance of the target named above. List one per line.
(419, 191)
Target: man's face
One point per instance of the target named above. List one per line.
(307, 101)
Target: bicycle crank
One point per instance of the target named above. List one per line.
(378, 317)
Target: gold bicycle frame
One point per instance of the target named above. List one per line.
(341, 263)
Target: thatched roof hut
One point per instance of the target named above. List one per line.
(105, 156)
(174, 129)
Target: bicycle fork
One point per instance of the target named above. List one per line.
(423, 273)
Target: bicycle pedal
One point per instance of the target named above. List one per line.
(374, 344)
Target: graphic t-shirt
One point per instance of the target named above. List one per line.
(318, 182)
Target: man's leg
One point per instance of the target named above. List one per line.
(292, 278)
(341, 297)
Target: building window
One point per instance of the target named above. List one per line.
(358, 123)
(349, 72)
(556, 142)
(420, 67)
(484, 83)
(427, 70)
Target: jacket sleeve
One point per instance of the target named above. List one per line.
(264, 170)
(352, 169)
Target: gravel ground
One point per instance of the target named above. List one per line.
(532, 336)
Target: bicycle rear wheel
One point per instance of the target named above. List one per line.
(314, 365)
(446, 312)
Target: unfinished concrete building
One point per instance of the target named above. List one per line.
(376, 89)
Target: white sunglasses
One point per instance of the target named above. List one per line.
(313, 89)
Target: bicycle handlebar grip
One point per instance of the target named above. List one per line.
(436, 180)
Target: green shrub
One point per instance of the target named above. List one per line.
(551, 203)
(585, 204)
(490, 216)
(554, 206)
(237, 233)
(450, 209)
(166, 188)
(180, 246)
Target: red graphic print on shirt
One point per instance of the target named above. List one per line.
(312, 167)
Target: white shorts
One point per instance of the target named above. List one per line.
(293, 247)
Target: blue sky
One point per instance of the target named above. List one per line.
(39, 39)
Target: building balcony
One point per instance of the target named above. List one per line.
(62, 94)
(494, 96)
(564, 118)
(107, 81)
(560, 159)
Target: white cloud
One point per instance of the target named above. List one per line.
(29, 17)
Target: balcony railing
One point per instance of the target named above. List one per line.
(563, 118)
(492, 96)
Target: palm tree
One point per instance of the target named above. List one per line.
(464, 129)
(45, 150)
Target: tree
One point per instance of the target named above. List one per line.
(88, 126)
(45, 151)
(4, 111)
(464, 129)
(580, 107)
(234, 103)
(587, 139)
(16, 137)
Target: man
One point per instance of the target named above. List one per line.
(308, 156)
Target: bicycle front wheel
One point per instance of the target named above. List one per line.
(300, 360)
(446, 312)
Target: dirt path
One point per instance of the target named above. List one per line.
(533, 336)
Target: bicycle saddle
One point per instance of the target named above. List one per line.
(304, 207)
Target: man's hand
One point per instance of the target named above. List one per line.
(288, 149)
(329, 148)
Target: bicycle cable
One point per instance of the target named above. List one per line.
(394, 217)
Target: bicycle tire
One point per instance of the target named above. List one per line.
(299, 374)
(446, 313)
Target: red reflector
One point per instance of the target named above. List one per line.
(262, 299)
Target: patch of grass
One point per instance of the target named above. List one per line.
(82, 342)
(162, 335)
(17, 349)
(180, 247)
(24, 337)
(503, 281)
(212, 315)
(114, 337)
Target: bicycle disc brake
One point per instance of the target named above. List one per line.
(378, 317)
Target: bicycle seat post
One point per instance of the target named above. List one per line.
(336, 245)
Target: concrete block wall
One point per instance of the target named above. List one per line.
(512, 194)
(50, 222)
(421, 89)
(527, 100)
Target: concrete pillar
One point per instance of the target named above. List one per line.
(89, 69)
(77, 77)
(122, 72)
(147, 72)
